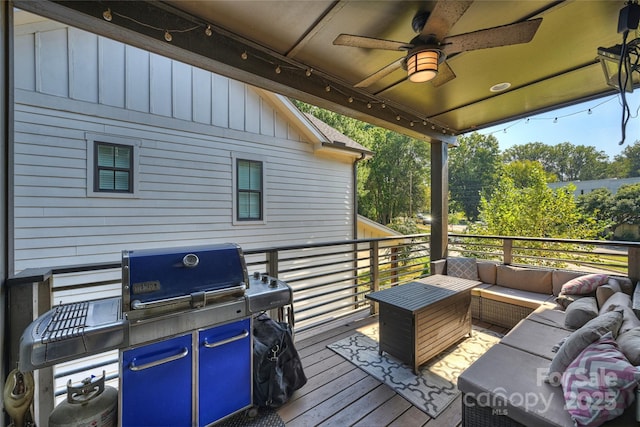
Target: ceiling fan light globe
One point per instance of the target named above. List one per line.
(422, 66)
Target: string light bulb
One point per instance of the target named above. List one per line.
(107, 15)
(555, 120)
(308, 72)
(350, 99)
(167, 35)
(208, 31)
(398, 118)
(368, 105)
(327, 88)
(244, 55)
(278, 70)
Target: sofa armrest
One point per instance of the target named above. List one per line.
(439, 266)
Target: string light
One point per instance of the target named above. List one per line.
(556, 118)
(207, 29)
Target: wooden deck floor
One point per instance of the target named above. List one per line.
(338, 393)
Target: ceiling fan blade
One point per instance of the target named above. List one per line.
(443, 16)
(445, 73)
(370, 42)
(380, 74)
(520, 32)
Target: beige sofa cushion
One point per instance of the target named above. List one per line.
(487, 272)
(526, 279)
(629, 343)
(560, 277)
(605, 291)
(514, 296)
(619, 298)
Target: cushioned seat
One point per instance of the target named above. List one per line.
(517, 390)
(548, 316)
(515, 296)
(535, 338)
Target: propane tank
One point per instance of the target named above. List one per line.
(90, 403)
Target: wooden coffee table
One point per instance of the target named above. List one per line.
(419, 320)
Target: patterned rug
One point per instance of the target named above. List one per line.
(434, 388)
(265, 418)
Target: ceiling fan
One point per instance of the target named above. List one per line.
(427, 52)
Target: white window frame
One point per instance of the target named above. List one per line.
(234, 162)
(135, 144)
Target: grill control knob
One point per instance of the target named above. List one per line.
(265, 279)
(273, 283)
(256, 274)
(190, 260)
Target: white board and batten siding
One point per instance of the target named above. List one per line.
(188, 123)
(187, 127)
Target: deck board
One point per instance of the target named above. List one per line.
(338, 393)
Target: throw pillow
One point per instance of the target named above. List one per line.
(580, 312)
(579, 340)
(599, 384)
(629, 343)
(605, 291)
(584, 284)
(465, 268)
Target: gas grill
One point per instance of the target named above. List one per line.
(165, 292)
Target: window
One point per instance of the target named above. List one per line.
(249, 190)
(114, 168)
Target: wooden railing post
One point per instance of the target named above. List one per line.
(507, 251)
(374, 265)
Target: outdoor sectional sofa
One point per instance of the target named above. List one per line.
(510, 384)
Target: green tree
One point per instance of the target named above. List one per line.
(626, 208)
(627, 163)
(566, 161)
(598, 204)
(535, 210)
(473, 169)
(397, 177)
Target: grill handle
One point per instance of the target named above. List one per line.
(240, 336)
(188, 300)
(180, 355)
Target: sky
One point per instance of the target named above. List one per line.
(601, 128)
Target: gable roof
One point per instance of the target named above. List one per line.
(336, 139)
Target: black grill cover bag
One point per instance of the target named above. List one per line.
(277, 369)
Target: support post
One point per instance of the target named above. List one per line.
(507, 251)
(633, 264)
(374, 265)
(439, 200)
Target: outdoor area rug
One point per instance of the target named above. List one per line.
(265, 418)
(434, 388)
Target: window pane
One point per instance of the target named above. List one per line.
(243, 205)
(106, 180)
(122, 157)
(255, 176)
(122, 181)
(243, 175)
(254, 206)
(105, 155)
